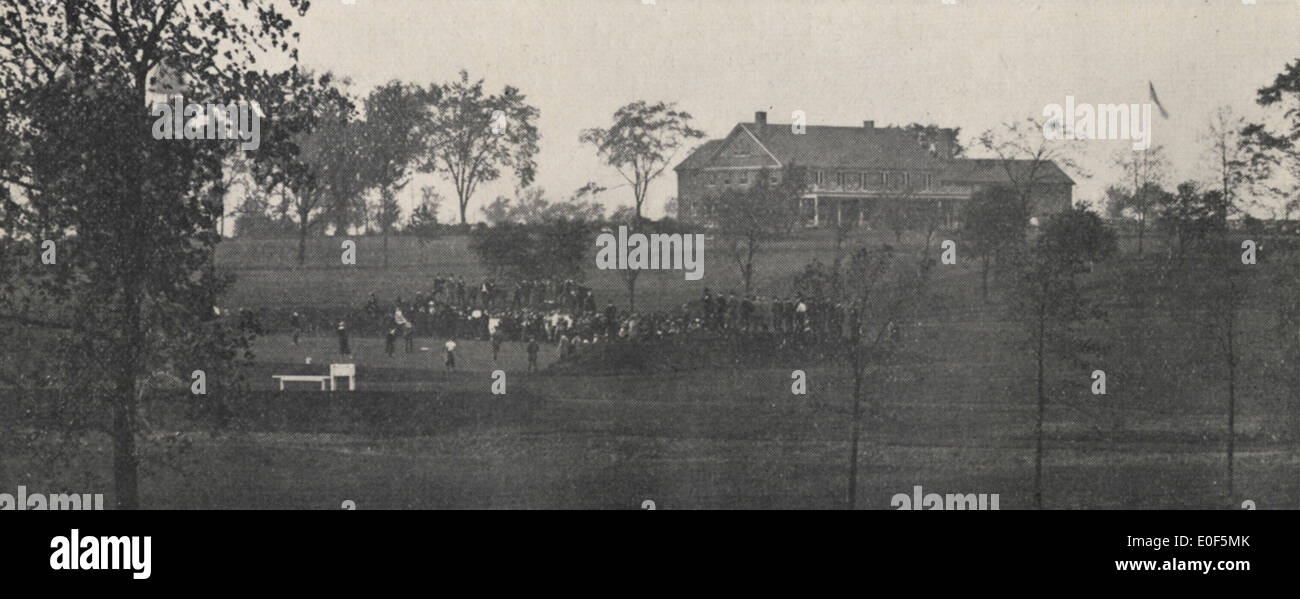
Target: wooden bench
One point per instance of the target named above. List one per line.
(302, 378)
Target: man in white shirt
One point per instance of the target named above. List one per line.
(450, 362)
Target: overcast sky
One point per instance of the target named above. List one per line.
(972, 64)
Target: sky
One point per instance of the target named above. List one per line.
(973, 64)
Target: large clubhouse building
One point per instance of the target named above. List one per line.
(854, 171)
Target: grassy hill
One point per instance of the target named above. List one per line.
(710, 422)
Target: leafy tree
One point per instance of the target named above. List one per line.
(555, 249)
(530, 206)
(994, 221)
(310, 148)
(1191, 216)
(936, 138)
(641, 143)
(1274, 156)
(134, 218)
(423, 222)
(474, 136)
(398, 116)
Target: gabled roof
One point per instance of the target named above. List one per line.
(700, 156)
(876, 148)
(846, 147)
(828, 147)
(992, 170)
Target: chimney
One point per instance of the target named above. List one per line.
(760, 119)
(868, 125)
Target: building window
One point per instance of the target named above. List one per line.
(773, 179)
(726, 178)
(744, 178)
(713, 179)
(839, 179)
(906, 179)
(820, 177)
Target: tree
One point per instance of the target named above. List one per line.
(423, 222)
(626, 216)
(937, 138)
(994, 221)
(138, 214)
(398, 116)
(1272, 150)
(1054, 307)
(745, 219)
(310, 150)
(555, 249)
(1227, 152)
(473, 136)
(1147, 169)
(1024, 154)
(1191, 216)
(883, 289)
(642, 143)
(530, 206)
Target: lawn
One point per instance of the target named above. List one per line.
(710, 428)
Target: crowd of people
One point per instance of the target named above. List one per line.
(565, 315)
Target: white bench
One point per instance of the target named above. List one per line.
(348, 371)
(301, 378)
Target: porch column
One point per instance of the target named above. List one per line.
(815, 203)
(839, 212)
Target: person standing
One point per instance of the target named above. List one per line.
(295, 322)
(390, 341)
(532, 354)
(562, 350)
(344, 349)
(450, 361)
(496, 344)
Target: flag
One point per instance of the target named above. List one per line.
(1156, 100)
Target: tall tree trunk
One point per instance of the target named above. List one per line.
(1232, 411)
(126, 484)
(385, 246)
(125, 461)
(857, 425)
(1142, 227)
(1038, 427)
(302, 242)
